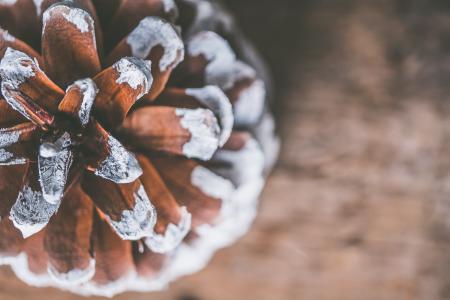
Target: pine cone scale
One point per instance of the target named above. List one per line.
(126, 150)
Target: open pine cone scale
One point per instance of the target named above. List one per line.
(119, 155)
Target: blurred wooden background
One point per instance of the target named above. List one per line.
(359, 205)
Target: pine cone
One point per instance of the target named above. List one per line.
(134, 140)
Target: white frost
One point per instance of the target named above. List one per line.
(214, 99)
(54, 162)
(8, 2)
(135, 72)
(204, 130)
(267, 137)
(219, 55)
(249, 107)
(169, 5)
(16, 68)
(89, 91)
(153, 31)
(139, 222)
(7, 37)
(240, 166)
(211, 184)
(31, 212)
(120, 166)
(81, 19)
(174, 235)
(8, 138)
(38, 4)
(73, 277)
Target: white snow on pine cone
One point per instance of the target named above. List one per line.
(8, 2)
(214, 99)
(120, 166)
(22, 270)
(89, 90)
(7, 36)
(242, 165)
(8, 138)
(204, 130)
(76, 16)
(54, 162)
(38, 4)
(211, 184)
(81, 19)
(219, 55)
(139, 222)
(16, 68)
(73, 277)
(169, 5)
(134, 72)
(31, 212)
(174, 235)
(151, 32)
(249, 107)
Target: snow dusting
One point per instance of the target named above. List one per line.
(249, 107)
(134, 72)
(8, 2)
(120, 166)
(174, 235)
(54, 162)
(73, 277)
(89, 91)
(31, 212)
(204, 130)
(219, 55)
(153, 31)
(7, 36)
(16, 68)
(8, 138)
(214, 99)
(38, 4)
(211, 184)
(139, 222)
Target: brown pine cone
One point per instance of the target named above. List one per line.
(134, 140)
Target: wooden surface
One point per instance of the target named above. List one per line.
(359, 205)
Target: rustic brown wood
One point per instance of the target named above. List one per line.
(176, 173)
(69, 53)
(149, 128)
(67, 239)
(10, 186)
(174, 97)
(190, 72)
(111, 198)
(114, 99)
(11, 243)
(94, 145)
(36, 254)
(168, 210)
(8, 115)
(113, 256)
(20, 22)
(147, 263)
